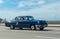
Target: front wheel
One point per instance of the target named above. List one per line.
(33, 27)
(12, 27)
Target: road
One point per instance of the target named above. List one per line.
(48, 33)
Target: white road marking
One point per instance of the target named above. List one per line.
(53, 24)
(47, 37)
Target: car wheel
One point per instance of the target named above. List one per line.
(12, 27)
(41, 28)
(33, 27)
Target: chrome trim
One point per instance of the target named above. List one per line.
(17, 23)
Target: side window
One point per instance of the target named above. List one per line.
(26, 18)
(22, 18)
(16, 18)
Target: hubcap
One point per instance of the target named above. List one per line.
(32, 27)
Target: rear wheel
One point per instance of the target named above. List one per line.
(12, 27)
(33, 27)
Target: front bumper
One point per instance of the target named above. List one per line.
(41, 26)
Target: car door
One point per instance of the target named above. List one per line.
(20, 22)
(24, 22)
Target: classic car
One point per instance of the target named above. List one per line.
(26, 22)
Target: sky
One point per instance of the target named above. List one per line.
(39, 9)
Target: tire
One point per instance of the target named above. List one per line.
(12, 27)
(41, 28)
(33, 27)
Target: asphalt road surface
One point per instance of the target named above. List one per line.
(48, 33)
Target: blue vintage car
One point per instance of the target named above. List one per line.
(26, 22)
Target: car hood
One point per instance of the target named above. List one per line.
(39, 20)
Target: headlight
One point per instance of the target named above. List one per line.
(17, 23)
